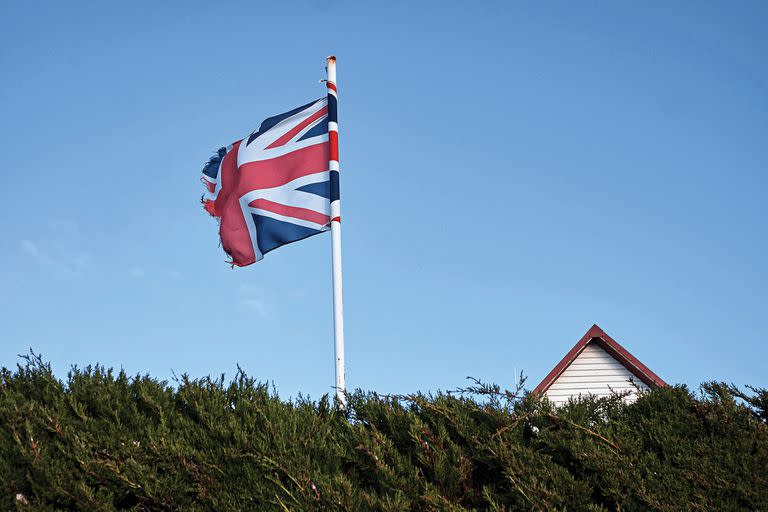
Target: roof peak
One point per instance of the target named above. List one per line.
(611, 346)
(595, 332)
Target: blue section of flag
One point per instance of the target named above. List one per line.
(272, 233)
(320, 128)
(334, 188)
(322, 189)
(332, 109)
(211, 168)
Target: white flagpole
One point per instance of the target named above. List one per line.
(333, 166)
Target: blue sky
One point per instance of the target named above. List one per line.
(511, 174)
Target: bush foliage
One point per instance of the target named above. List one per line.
(103, 440)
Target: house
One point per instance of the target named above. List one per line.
(597, 365)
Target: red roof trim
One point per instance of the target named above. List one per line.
(596, 335)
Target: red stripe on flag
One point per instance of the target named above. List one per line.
(209, 206)
(282, 169)
(331, 85)
(337, 219)
(296, 129)
(233, 231)
(333, 140)
(290, 211)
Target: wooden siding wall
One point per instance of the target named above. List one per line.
(596, 372)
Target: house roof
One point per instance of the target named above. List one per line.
(598, 336)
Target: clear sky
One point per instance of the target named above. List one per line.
(511, 174)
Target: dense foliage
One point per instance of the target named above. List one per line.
(107, 441)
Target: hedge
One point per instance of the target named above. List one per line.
(103, 440)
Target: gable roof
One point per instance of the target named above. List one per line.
(598, 336)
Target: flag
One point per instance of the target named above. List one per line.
(274, 186)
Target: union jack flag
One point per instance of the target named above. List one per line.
(274, 187)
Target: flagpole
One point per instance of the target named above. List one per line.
(333, 166)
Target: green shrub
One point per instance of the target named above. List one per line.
(107, 441)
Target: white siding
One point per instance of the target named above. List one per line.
(595, 372)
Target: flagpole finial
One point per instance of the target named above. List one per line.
(331, 58)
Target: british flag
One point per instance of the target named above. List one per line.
(275, 186)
